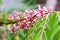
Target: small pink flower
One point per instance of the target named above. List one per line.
(15, 13)
(24, 26)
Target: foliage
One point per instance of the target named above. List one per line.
(43, 29)
(30, 2)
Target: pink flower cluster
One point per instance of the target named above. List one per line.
(25, 19)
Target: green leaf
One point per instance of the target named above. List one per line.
(21, 34)
(57, 36)
(10, 36)
(52, 26)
